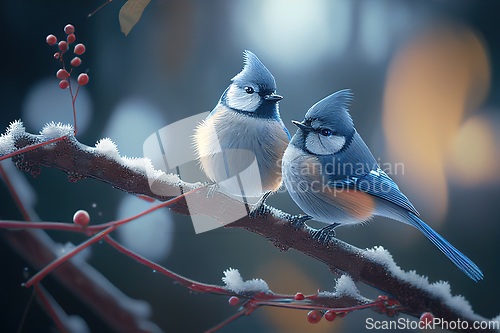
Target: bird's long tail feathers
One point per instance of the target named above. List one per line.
(462, 262)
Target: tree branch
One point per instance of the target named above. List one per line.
(374, 267)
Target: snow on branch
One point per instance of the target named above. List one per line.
(234, 282)
(374, 267)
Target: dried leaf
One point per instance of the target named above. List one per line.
(130, 14)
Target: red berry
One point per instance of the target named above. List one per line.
(63, 84)
(76, 62)
(63, 46)
(314, 316)
(83, 79)
(57, 55)
(426, 318)
(81, 217)
(330, 315)
(69, 29)
(62, 74)
(299, 296)
(51, 39)
(71, 38)
(79, 49)
(233, 300)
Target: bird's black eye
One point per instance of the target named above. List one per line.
(326, 132)
(249, 90)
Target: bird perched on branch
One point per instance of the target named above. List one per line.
(333, 177)
(241, 143)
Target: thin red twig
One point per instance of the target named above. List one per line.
(238, 314)
(90, 230)
(164, 204)
(98, 8)
(25, 149)
(191, 284)
(41, 225)
(145, 198)
(47, 269)
(73, 100)
(41, 294)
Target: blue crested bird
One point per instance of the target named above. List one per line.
(333, 177)
(241, 143)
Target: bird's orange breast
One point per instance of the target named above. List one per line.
(356, 203)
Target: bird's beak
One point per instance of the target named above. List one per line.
(302, 126)
(273, 98)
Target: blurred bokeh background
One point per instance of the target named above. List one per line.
(426, 81)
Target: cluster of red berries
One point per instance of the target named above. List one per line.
(64, 46)
(314, 316)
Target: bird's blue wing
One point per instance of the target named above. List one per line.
(379, 184)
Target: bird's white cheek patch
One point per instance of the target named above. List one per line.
(239, 99)
(324, 145)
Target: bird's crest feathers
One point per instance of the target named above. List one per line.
(254, 72)
(339, 100)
